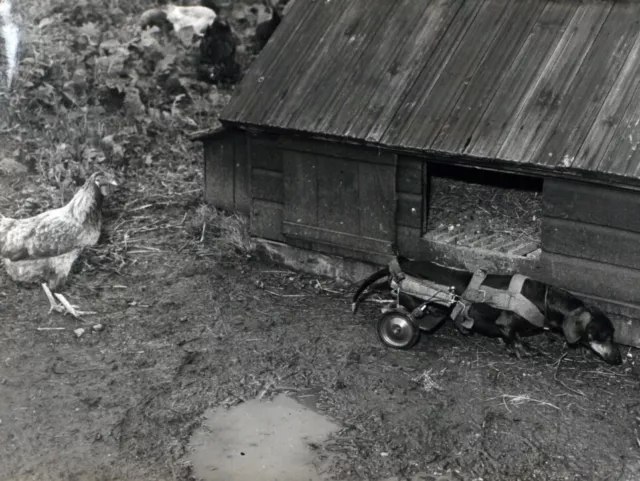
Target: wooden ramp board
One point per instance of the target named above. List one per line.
(501, 242)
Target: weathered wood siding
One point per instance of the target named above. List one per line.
(411, 191)
(591, 239)
(339, 199)
(267, 188)
(591, 246)
(227, 173)
(410, 186)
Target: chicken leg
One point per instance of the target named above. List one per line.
(54, 305)
(66, 306)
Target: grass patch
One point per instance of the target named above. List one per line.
(92, 91)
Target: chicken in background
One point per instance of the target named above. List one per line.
(196, 17)
(217, 62)
(43, 248)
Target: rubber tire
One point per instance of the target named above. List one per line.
(415, 337)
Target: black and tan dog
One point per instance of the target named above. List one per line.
(563, 311)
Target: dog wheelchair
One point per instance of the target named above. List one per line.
(421, 304)
(399, 327)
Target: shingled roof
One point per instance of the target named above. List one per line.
(534, 83)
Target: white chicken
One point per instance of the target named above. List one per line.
(197, 17)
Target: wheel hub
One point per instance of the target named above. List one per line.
(397, 330)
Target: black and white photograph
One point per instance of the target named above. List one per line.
(319, 240)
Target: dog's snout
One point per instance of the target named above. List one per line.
(616, 359)
(609, 352)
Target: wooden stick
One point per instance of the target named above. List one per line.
(285, 295)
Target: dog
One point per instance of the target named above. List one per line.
(564, 312)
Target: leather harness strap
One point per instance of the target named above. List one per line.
(509, 300)
(420, 288)
(506, 300)
(395, 270)
(473, 293)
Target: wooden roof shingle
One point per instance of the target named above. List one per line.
(541, 84)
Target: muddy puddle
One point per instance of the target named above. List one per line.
(266, 440)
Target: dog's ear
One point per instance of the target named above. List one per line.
(575, 324)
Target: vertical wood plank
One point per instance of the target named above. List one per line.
(338, 195)
(265, 154)
(267, 185)
(377, 189)
(426, 191)
(242, 178)
(266, 220)
(409, 212)
(219, 173)
(300, 187)
(409, 175)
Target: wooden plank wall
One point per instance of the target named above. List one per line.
(410, 186)
(227, 184)
(590, 246)
(339, 199)
(591, 239)
(267, 188)
(412, 207)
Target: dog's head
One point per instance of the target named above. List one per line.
(591, 327)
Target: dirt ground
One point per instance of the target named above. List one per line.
(186, 330)
(191, 318)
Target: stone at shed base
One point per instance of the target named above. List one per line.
(315, 263)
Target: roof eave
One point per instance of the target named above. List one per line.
(455, 159)
(218, 131)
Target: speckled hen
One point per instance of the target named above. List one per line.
(44, 247)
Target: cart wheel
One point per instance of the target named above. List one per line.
(397, 330)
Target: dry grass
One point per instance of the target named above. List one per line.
(221, 232)
(94, 92)
(479, 208)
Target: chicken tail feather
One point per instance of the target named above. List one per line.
(5, 225)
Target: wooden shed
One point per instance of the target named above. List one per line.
(333, 139)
